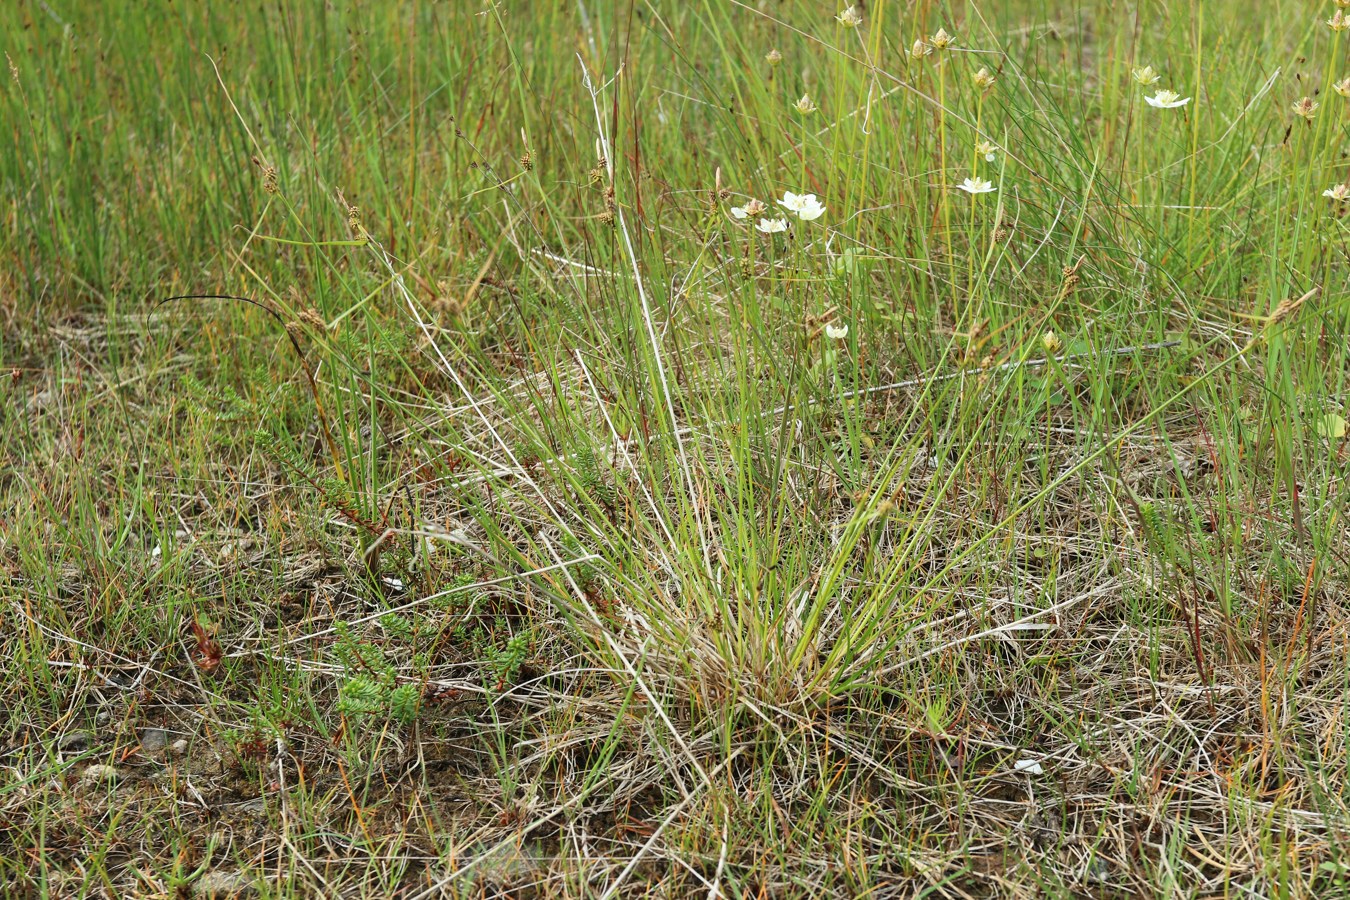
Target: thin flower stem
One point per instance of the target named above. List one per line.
(942, 171)
(1195, 122)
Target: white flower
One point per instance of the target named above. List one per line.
(1338, 21)
(836, 332)
(812, 211)
(1342, 87)
(771, 226)
(1340, 193)
(806, 206)
(987, 150)
(976, 185)
(850, 18)
(1145, 76)
(1029, 766)
(753, 208)
(1166, 100)
(804, 105)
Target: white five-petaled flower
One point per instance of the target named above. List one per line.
(771, 226)
(850, 18)
(1340, 193)
(987, 150)
(976, 185)
(984, 79)
(836, 332)
(1342, 87)
(1305, 108)
(942, 40)
(806, 206)
(1145, 76)
(1166, 100)
(805, 106)
(1338, 21)
(749, 210)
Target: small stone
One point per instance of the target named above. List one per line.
(75, 741)
(154, 740)
(100, 773)
(221, 885)
(178, 747)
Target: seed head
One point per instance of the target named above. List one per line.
(984, 79)
(1305, 108)
(805, 106)
(353, 217)
(269, 176)
(313, 318)
(942, 40)
(773, 57)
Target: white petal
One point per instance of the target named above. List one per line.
(1030, 766)
(810, 212)
(738, 212)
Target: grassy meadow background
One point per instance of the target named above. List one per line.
(415, 481)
